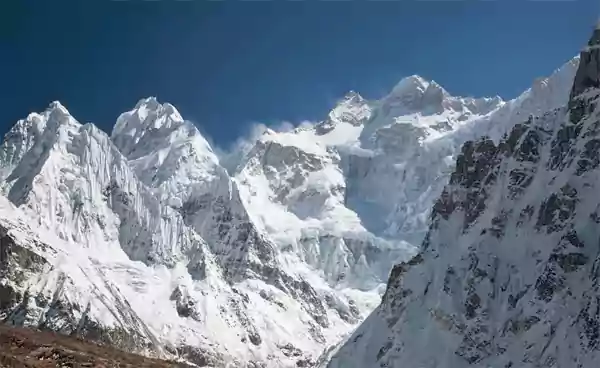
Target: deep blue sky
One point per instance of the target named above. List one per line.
(225, 64)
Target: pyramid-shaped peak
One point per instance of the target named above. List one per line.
(150, 102)
(153, 105)
(352, 96)
(411, 84)
(57, 106)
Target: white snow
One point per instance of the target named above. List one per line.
(295, 247)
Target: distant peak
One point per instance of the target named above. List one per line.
(56, 106)
(415, 78)
(148, 113)
(172, 111)
(150, 102)
(410, 85)
(352, 96)
(411, 81)
(434, 87)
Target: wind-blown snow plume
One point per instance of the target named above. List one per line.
(231, 156)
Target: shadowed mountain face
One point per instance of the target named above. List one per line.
(507, 275)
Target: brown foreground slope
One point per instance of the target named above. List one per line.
(27, 348)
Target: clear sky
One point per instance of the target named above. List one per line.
(226, 64)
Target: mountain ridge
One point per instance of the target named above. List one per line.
(237, 265)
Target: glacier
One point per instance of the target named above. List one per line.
(144, 238)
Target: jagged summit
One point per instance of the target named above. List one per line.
(149, 121)
(417, 86)
(414, 94)
(150, 101)
(408, 92)
(410, 84)
(352, 95)
(56, 105)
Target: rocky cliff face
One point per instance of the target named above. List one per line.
(507, 275)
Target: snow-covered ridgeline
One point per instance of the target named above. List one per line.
(262, 268)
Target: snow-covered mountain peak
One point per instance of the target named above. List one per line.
(427, 105)
(352, 109)
(56, 105)
(55, 115)
(154, 132)
(26, 132)
(415, 94)
(58, 116)
(407, 94)
(151, 102)
(147, 117)
(168, 153)
(40, 119)
(352, 96)
(413, 84)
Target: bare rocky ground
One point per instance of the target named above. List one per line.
(28, 348)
